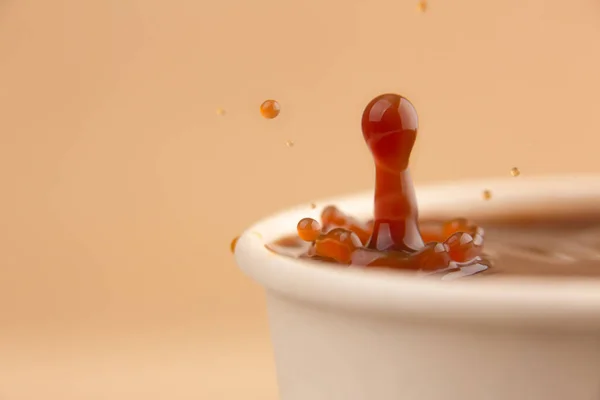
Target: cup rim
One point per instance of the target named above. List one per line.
(524, 301)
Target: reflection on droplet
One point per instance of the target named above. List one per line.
(270, 109)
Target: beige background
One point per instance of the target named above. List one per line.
(122, 187)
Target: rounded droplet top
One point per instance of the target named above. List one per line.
(308, 229)
(389, 125)
(270, 109)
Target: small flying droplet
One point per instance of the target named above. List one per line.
(313, 205)
(270, 109)
(422, 6)
(515, 172)
(487, 194)
(289, 143)
(234, 243)
(220, 111)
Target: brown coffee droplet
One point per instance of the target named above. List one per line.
(422, 6)
(487, 194)
(290, 143)
(308, 229)
(514, 171)
(270, 109)
(234, 243)
(313, 205)
(220, 111)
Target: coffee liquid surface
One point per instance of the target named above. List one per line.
(547, 247)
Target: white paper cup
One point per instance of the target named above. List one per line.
(354, 334)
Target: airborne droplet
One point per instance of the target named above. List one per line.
(270, 109)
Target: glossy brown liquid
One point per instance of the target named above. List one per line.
(389, 125)
(393, 239)
(549, 246)
(270, 109)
